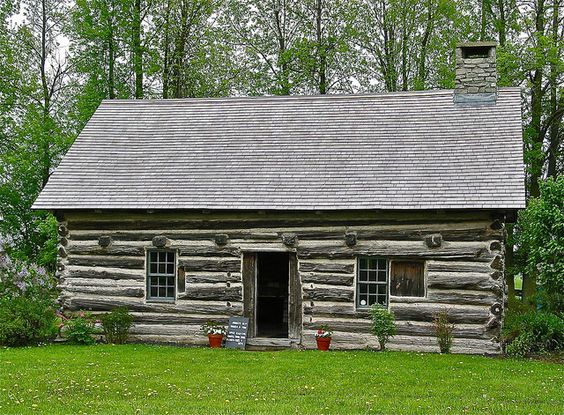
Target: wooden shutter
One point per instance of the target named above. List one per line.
(407, 279)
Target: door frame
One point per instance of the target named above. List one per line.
(249, 276)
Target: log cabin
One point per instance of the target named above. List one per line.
(297, 211)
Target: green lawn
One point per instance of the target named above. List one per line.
(141, 379)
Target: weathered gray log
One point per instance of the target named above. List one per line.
(462, 280)
(168, 318)
(187, 340)
(453, 266)
(458, 252)
(116, 275)
(326, 267)
(210, 251)
(290, 239)
(62, 230)
(210, 265)
(213, 292)
(107, 261)
(167, 329)
(324, 310)
(113, 250)
(64, 242)
(427, 311)
(213, 278)
(97, 303)
(327, 294)
(463, 297)
(105, 290)
(326, 278)
(62, 252)
(103, 282)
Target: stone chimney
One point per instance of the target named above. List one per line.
(476, 74)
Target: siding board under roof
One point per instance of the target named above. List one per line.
(415, 150)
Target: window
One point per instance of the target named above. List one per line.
(407, 279)
(161, 275)
(372, 282)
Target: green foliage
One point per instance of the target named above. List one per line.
(532, 332)
(443, 330)
(26, 321)
(27, 306)
(80, 329)
(383, 325)
(540, 239)
(116, 325)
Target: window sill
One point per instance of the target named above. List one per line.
(161, 300)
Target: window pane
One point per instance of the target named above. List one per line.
(153, 269)
(362, 263)
(382, 299)
(372, 289)
(407, 279)
(372, 275)
(154, 291)
(382, 276)
(363, 300)
(170, 257)
(170, 292)
(162, 256)
(363, 276)
(162, 291)
(170, 281)
(382, 264)
(170, 269)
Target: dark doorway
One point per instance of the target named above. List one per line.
(272, 294)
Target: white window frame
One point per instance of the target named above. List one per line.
(149, 275)
(358, 306)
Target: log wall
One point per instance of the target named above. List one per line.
(102, 265)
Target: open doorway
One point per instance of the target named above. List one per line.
(272, 294)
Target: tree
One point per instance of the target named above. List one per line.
(541, 241)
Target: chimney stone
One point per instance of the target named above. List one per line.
(476, 73)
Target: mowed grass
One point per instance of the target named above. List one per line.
(143, 379)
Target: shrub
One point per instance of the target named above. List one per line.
(80, 329)
(27, 303)
(25, 321)
(443, 330)
(533, 333)
(116, 325)
(383, 325)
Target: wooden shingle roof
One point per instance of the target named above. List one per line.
(415, 150)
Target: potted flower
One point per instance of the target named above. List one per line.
(215, 332)
(323, 337)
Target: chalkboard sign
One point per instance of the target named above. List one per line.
(237, 333)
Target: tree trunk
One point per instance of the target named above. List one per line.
(554, 132)
(321, 48)
(111, 56)
(137, 49)
(421, 66)
(45, 125)
(284, 71)
(166, 47)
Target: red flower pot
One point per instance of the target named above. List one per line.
(215, 340)
(323, 343)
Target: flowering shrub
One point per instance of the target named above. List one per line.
(27, 303)
(324, 332)
(213, 327)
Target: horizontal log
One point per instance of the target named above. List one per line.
(427, 312)
(210, 251)
(114, 274)
(186, 340)
(98, 303)
(102, 282)
(112, 250)
(210, 265)
(144, 235)
(172, 318)
(213, 292)
(320, 309)
(404, 249)
(463, 297)
(462, 280)
(326, 267)
(217, 277)
(328, 294)
(104, 290)
(325, 278)
(458, 266)
(192, 330)
(107, 261)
